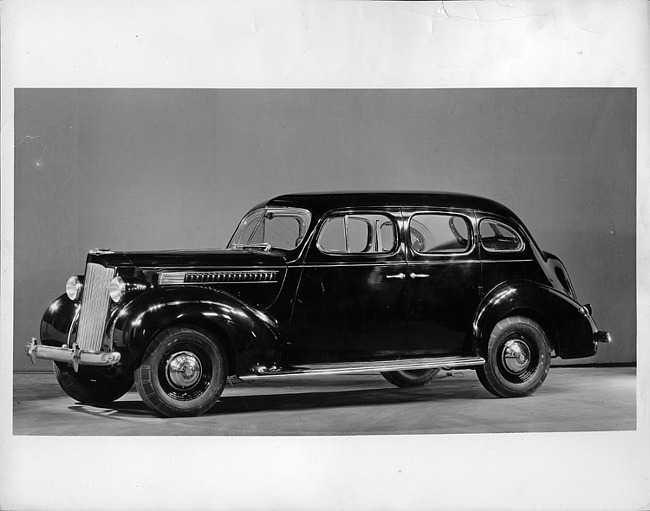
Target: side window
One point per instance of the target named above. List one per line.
(439, 233)
(498, 237)
(280, 228)
(250, 231)
(357, 234)
(282, 231)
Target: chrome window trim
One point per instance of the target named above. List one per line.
(522, 242)
(334, 264)
(470, 239)
(345, 214)
(279, 211)
(412, 263)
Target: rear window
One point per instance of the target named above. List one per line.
(498, 237)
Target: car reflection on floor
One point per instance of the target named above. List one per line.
(573, 399)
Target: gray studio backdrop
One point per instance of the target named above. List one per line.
(152, 169)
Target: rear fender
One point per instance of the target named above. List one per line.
(248, 336)
(567, 324)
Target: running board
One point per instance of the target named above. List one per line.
(406, 364)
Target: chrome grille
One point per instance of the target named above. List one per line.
(94, 307)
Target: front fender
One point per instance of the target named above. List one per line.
(567, 323)
(57, 321)
(249, 336)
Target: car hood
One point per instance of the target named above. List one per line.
(189, 259)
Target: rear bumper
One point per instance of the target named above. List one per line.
(73, 356)
(597, 336)
(601, 336)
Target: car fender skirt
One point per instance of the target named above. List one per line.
(570, 329)
(244, 332)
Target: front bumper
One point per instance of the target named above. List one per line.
(73, 356)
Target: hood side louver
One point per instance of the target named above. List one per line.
(168, 278)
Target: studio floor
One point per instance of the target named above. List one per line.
(571, 399)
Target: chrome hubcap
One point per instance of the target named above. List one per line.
(515, 356)
(183, 370)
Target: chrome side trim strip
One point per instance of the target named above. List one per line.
(203, 269)
(439, 262)
(508, 261)
(365, 367)
(337, 264)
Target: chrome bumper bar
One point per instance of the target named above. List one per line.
(601, 336)
(73, 356)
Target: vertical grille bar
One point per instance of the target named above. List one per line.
(94, 307)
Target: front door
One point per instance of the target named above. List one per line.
(443, 276)
(351, 301)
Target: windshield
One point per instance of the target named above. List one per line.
(267, 228)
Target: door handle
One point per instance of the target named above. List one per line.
(419, 275)
(396, 276)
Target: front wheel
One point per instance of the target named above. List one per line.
(87, 386)
(518, 357)
(412, 378)
(183, 373)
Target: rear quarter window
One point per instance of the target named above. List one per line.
(498, 237)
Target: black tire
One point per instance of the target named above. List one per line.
(92, 386)
(183, 373)
(518, 357)
(412, 378)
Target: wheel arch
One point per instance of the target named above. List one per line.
(212, 330)
(242, 331)
(536, 315)
(556, 314)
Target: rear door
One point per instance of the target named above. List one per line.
(505, 254)
(443, 279)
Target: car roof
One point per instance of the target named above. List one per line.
(321, 202)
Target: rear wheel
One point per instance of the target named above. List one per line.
(412, 378)
(183, 373)
(92, 386)
(518, 358)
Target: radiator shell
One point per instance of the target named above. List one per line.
(95, 304)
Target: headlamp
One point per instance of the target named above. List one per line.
(73, 288)
(117, 289)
